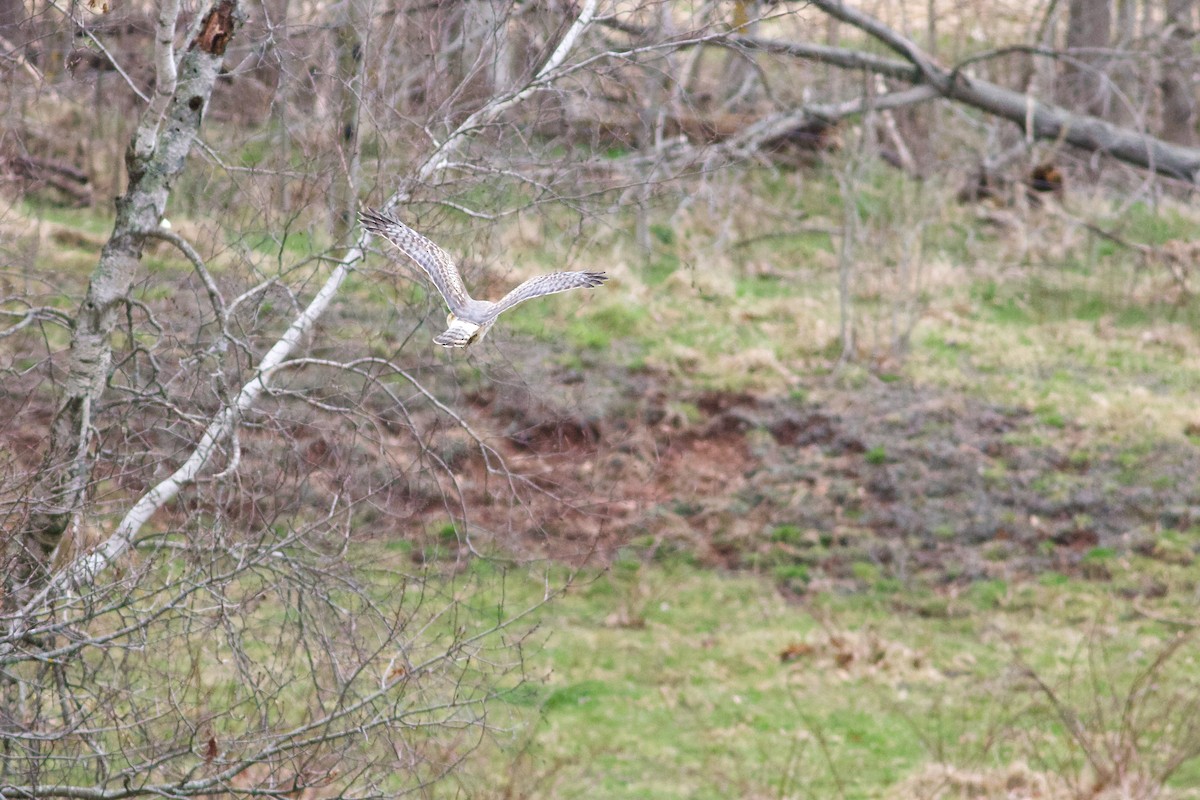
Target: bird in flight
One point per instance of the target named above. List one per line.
(469, 320)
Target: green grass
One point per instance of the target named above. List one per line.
(1155, 225)
(667, 680)
(1072, 330)
(671, 681)
(695, 700)
(1075, 332)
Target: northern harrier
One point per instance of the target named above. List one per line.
(469, 320)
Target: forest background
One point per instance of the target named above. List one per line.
(871, 472)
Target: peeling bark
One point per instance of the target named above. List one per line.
(218, 28)
(155, 157)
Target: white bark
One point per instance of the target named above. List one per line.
(157, 156)
(85, 569)
(164, 48)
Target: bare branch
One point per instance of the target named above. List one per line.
(164, 49)
(1044, 121)
(99, 45)
(85, 570)
(156, 157)
(189, 252)
(32, 315)
(834, 56)
(545, 76)
(754, 136)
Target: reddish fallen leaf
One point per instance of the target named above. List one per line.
(795, 651)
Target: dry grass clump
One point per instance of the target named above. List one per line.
(1019, 781)
(852, 655)
(1016, 781)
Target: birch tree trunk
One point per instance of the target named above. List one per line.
(113, 688)
(154, 159)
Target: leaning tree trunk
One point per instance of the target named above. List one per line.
(1040, 120)
(154, 159)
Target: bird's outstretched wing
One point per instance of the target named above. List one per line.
(436, 262)
(547, 284)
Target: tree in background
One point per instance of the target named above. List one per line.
(1086, 86)
(198, 471)
(1178, 73)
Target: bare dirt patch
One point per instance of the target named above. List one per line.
(886, 481)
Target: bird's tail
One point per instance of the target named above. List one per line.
(460, 334)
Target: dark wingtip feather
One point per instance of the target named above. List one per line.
(373, 220)
(596, 278)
